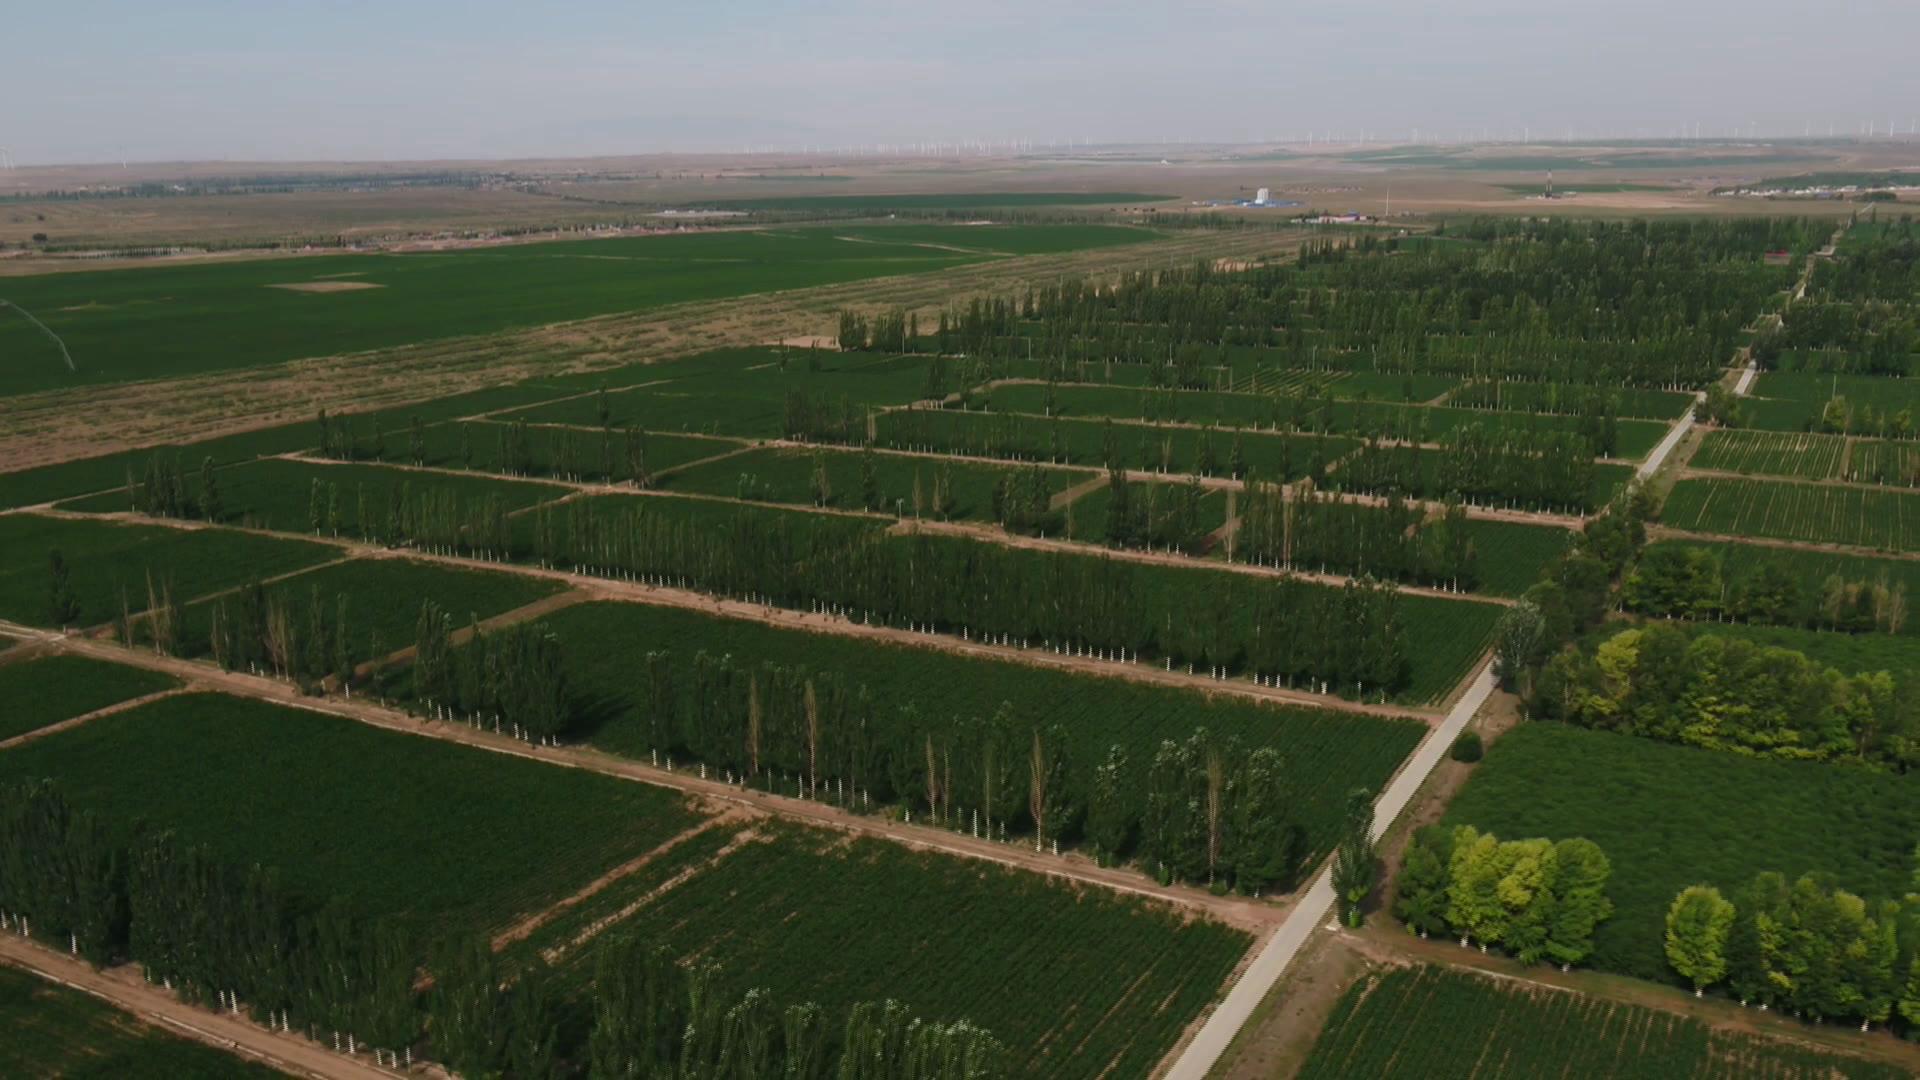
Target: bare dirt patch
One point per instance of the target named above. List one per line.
(331, 286)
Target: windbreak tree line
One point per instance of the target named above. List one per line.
(1520, 468)
(255, 630)
(1305, 530)
(1349, 639)
(1727, 693)
(1805, 945)
(510, 679)
(237, 938)
(1687, 582)
(1203, 809)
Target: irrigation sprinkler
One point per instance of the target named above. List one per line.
(28, 315)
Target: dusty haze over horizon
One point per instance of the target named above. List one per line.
(93, 81)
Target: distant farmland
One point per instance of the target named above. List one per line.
(158, 322)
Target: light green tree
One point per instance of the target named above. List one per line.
(1698, 924)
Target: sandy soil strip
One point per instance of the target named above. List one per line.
(600, 925)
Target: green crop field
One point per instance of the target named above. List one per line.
(1329, 752)
(105, 557)
(1076, 981)
(1090, 510)
(157, 322)
(277, 494)
(1795, 401)
(451, 836)
(53, 1031)
(45, 690)
(1768, 453)
(1878, 518)
(1420, 1022)
(786, 476)
(1509, 555)
(1672, 816)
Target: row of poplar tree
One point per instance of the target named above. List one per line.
(1202, 809)
(1351, 638)
(510, 679)
(1536, 470)
(1305, 530)
(238, 939)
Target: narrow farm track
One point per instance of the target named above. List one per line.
(544, 606)
(109, 710)
(1198, 1056)
(525, 927)
(64, 425)
(1668, 532)
(124, 988)
(1070, 867)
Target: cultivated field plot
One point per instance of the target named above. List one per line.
(1881, 519)
(1884, 461)
(1423, 1021)
(1509, 555)
(1329, 752)
(42, 690)
(159, 322)
(54, 1031)
(996, 200)
(1264, 378)
(1797, 401)
(1810, 572)
(382, 598)
(106, 557)
(552, 452)
(1077, 982)
(1766, 453)
(1062, 440)
(902, 485)
(328, 498)
(454, 837)
(1671, 816)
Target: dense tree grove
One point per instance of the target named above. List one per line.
(1536, 899)
(1686, 582)
(208, 929)
(237, 938)
(1804, 945)
(1202, 810)
(1155, 516)
(1727, 693)
(511, 679)
(1280, 630)
(1634, 303)
(1317, 532)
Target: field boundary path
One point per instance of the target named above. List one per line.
(1200, 1055)
(107, 710)
(123, 988)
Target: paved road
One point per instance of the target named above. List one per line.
(1198, 1059)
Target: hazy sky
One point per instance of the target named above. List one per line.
(85, 80)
